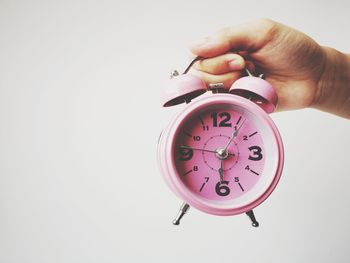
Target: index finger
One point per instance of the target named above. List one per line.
(251, 37)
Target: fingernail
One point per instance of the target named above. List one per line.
(235, 64)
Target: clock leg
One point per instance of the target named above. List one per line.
(183, 210)
(251, 215)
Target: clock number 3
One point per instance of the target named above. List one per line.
(255, 154)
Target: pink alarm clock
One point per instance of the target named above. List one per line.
(222, 154)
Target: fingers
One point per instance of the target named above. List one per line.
(227, 79)
(250, 36)
(221, 64)
(226, 69)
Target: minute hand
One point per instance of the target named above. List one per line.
(197, 149)
(203, 150)
(234, 135)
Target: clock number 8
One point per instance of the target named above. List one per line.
(222, 189)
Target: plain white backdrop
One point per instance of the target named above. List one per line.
(79, 120)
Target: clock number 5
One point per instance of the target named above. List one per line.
(255, 154)
(222, 189)
(225, 117)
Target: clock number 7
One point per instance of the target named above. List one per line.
(206, 180)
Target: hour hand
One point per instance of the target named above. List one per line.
(221, 172)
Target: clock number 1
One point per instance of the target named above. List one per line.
(225, 117)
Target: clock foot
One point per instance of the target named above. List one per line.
(183, 210)
(251, 215)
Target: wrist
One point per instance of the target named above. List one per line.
(333, 88)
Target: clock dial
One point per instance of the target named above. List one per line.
(219, 152)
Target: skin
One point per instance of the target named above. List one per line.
(303, 73)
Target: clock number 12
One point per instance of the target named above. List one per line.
(224, 117)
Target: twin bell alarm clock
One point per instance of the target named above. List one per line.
(222, 154)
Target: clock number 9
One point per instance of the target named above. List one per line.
(185, 154)
(222, 189)
(256, 154)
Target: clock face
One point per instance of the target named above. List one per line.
(223, 155)
(220, 153)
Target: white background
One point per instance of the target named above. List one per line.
(79, 121)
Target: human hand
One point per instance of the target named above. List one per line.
(302, 72)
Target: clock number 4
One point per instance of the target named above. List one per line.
(224, 117)
(255, 153)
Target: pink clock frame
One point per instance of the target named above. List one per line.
(274, 145)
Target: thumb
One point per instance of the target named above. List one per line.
(247, 37)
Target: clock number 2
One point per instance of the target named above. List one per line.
(256, 154)
(225, 117)
(222, 189)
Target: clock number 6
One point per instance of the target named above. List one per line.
(256, 154)
(222, 189)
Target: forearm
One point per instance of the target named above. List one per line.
(333, 94)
